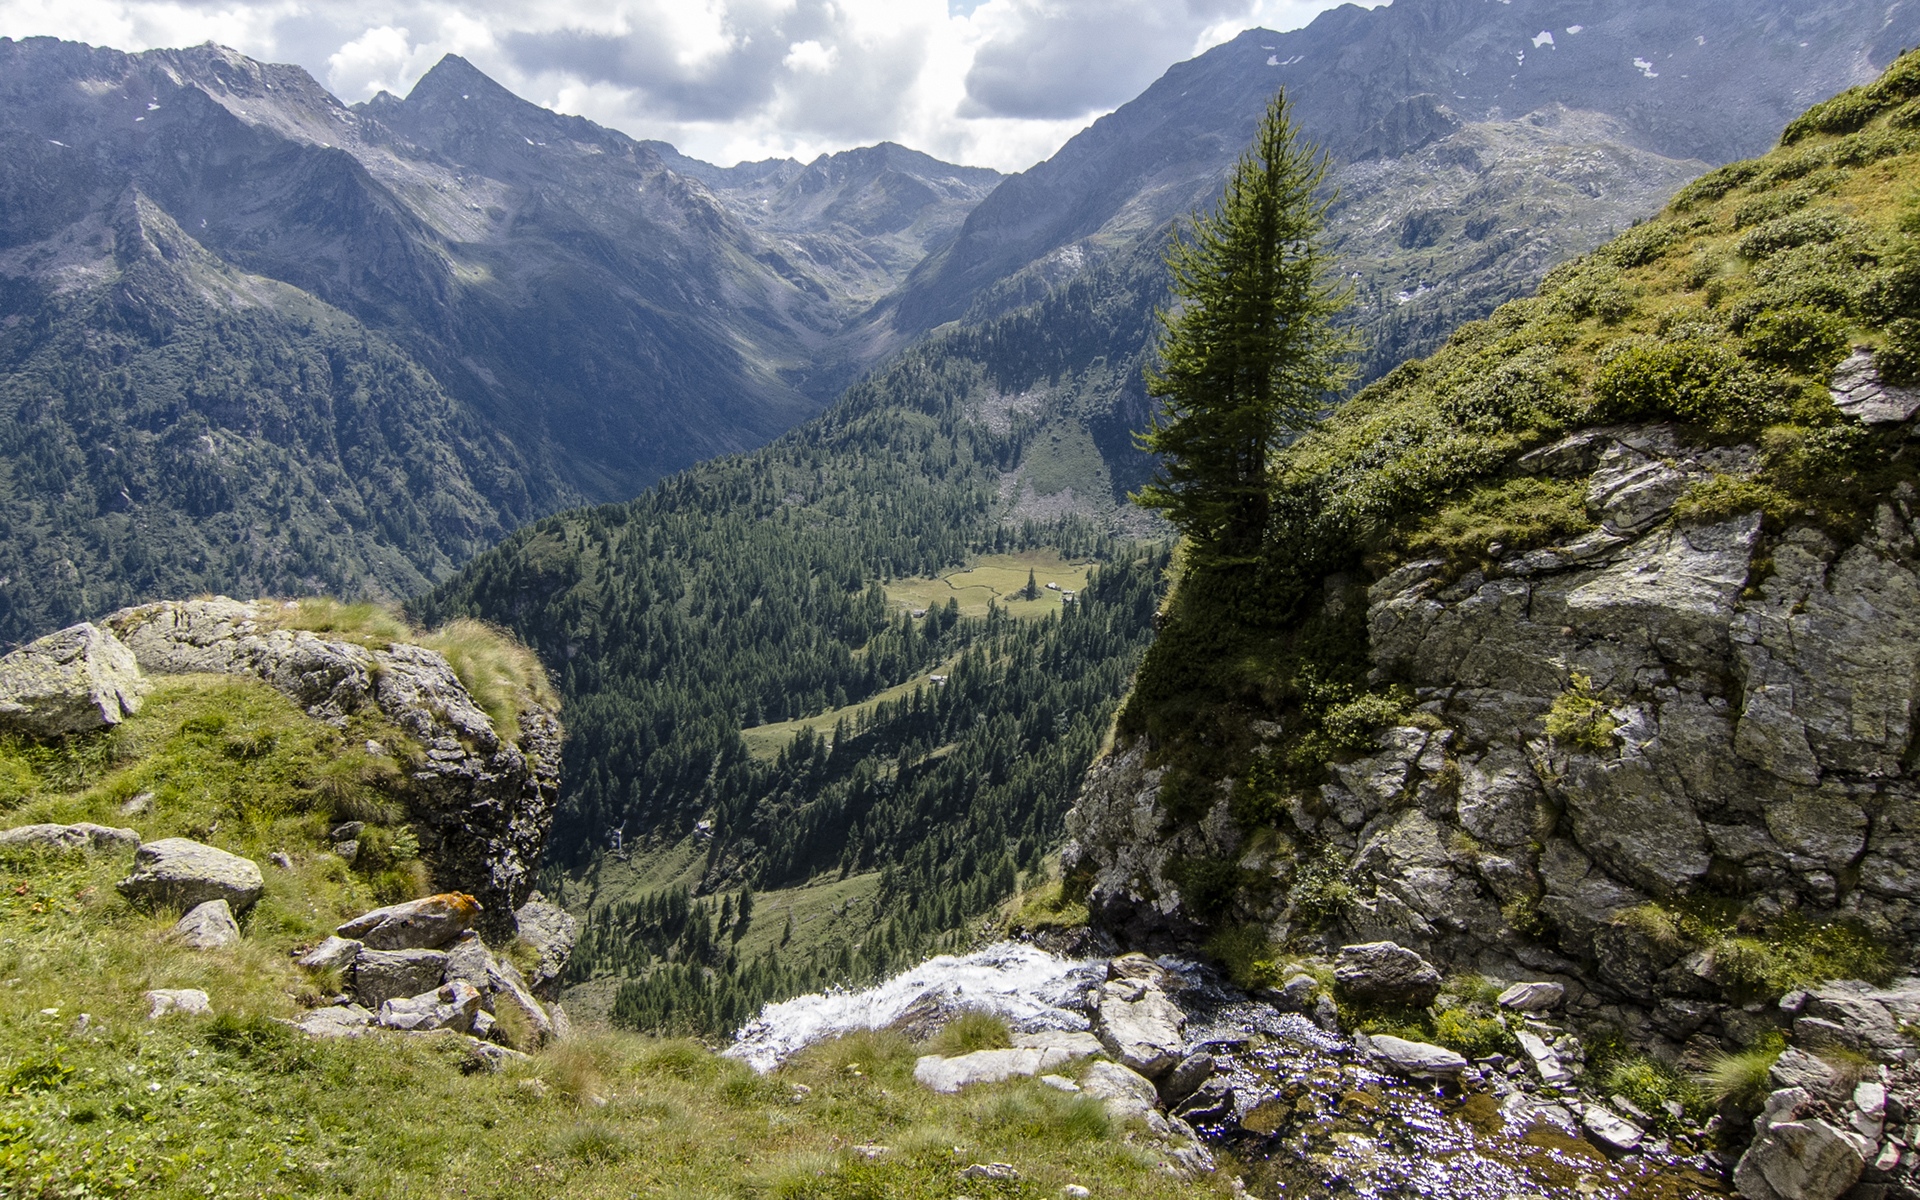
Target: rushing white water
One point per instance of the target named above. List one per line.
(1032, 989)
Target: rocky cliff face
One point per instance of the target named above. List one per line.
(1659, 708)
(481, 803)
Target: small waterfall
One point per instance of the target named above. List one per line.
(1032, 989)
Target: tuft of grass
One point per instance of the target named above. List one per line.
(1740, 1078)
(969, 1031)
(1250, 959)
(503, 676)
(1651, 1084)
(1516, 515)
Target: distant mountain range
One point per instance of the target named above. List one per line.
(203, 258)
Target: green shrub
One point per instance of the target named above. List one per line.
(1520, 514)
(1473, 1034)
(1249, 958)
(1356, 724)
(1713, 186)
(1795, 229)
(1798, 953)
(1724, 497)
(1579, 717)
(1899, 357)
(1640, 245)
(1802, 338)
(1698, 382)
(1320, 893)
(1528, 387)
(1771, 206)
(1651, 1085)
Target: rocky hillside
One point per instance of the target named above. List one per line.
(1585, 647)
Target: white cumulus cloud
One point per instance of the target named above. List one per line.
(994, 82)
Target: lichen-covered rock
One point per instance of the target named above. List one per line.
(341, 1020)
(482, 805)
(184, 873)
(424, 924)
(75, 681)
(188, 1002)
(335, 953)
(82, 835)
(207, 926)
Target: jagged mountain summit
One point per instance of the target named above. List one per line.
(254, 339)
(1708, 82)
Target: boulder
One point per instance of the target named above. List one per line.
(1532, 997)
(1806, 1159)
(383, 975)
(1795, 1068)
(78, 680)
(184, 873)
(1386, 973)
(84, 835)
(208, 926)
(1420, 1060)
(449, 1007)
(1186, 1078)
(340, 1020)
(551, 931)
(983, 1066)
(1140, 1026)
(334, 953)
(1212, 1103)
(424, 924)
(510, 993)
(186, 1001)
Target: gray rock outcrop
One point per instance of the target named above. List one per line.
(482, 804)
(451, 1006)
(185, 873)
(551, 931)
(78, 680)
(1752, 709)
(383, 975)
(83, 835)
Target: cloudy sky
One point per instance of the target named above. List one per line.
(998, 83)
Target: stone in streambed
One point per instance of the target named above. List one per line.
(1386, 973)
(1420, 1060)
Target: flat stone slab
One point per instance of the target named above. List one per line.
(1858, 392)
(1421, 1060)
(984, 1066)
(185, 1001)
(1078, 1044)
(340, 1020)
(83, 835)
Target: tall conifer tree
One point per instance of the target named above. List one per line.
(1248, 351)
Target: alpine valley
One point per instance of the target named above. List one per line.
(523, 607)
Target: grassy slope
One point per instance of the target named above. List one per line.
(1725, 314)
(236, 1105)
